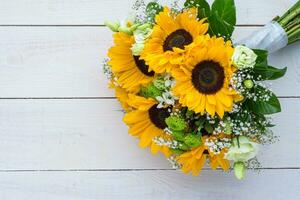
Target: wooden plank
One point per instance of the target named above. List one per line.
(91, 12)
(89, 134)
(267, 185)
(66, 62)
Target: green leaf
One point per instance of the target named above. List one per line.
(152, 9)
(225, 10)
(262, 56)
(264, 107)
(219, 27)
(209, 128)
(178, 135)
(268, 72)
(177, 151)
(192, 140)
(222, 18)
(202, 5)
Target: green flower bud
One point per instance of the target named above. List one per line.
(184, 147)
(126, 30)
(248, 84)
(150, 91)
(239, 170)
(176, 123)
(178, 135)
(192, 140)
(160, 83)
(114, 26)
(177, 151)
(144, 27)
(137, 49)
(228, 128)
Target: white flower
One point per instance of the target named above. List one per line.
(243, 57)
(167, 98)
(242, 149)
(137, 48)
(141, 34)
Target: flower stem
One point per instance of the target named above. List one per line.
(294, 34)
(289, 15)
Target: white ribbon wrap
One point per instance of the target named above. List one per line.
(271, 37)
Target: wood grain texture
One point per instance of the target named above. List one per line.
(143, 185)
(89, 134)
(66, 62)
(94, 12)
(77, 148)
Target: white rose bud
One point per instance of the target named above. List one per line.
(137, 49)
(243, 57)
(242, 149)
(114, 26)
(239, 170)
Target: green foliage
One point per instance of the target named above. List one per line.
(263, 70)
(192, 140)
(150, 91)
(221, 16)
(183, 147)
(178, 135)
(160, 83)
(177, 151)
(225, 10)
(264, 107)
(267, 72)
(209, 128)
(262, 56)
(176, 123)
(202, 5)
(152, 9)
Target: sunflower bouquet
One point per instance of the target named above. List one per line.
(187, 91)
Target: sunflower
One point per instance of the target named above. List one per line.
(147, 122)
(171, 35)
(203, 81)
(121, 95)
(194, 160)
(131, 71)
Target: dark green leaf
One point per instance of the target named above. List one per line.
(219, 27)
(153, 9)
(225, 9)
(268, 72)
(202, 5)
(208, 127)
(262, 56)
(264, 107)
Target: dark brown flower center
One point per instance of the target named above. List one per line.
(158, 116)
(140, 63)
(179, 39)
(208, 77)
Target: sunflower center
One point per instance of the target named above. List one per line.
(208, 77)
(179, 39)
(158, 116)
(142, 66)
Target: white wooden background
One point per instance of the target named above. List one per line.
(61, 135)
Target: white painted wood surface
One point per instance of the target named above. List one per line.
(95, 12)
(61, 135)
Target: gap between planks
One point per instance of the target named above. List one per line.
(93, 98)
(94, 25)
(130, 170)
